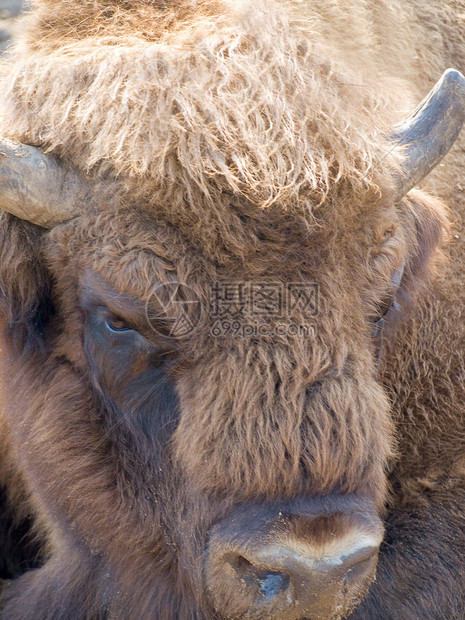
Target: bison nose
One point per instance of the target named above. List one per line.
(291, 579)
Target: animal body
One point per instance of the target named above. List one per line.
(179, 163)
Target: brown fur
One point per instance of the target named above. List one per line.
(230, 133)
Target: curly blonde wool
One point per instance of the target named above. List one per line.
(225, 102)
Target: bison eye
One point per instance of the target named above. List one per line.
(116, 324)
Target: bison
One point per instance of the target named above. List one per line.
(232, 387)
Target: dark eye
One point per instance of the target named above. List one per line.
(384, 307)
(116, 324)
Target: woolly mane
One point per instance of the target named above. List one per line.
(187, 102)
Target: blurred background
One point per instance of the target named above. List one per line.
(9, 10)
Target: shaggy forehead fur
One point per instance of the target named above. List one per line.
(238, 98)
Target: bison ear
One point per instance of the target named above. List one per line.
(25, 302)
(36, 192)
(429, 228)
(37, 187)
(431, 130)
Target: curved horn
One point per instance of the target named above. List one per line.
(430, 131)
(37, 187)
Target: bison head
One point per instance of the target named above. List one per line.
(200, 473)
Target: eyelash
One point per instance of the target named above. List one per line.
(123, 327)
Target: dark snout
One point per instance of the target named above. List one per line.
(303, 561)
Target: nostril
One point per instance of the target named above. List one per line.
(242, 564)
(268, 583)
